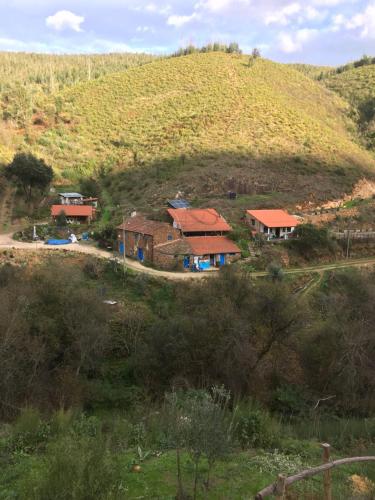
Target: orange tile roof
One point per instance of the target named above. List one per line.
(274, 218)
(198, 220)
(142, 225)
(73, 210)
(204, 245)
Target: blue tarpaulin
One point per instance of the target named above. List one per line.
(58, 242)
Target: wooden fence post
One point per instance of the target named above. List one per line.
(327, 479)
(280, 487)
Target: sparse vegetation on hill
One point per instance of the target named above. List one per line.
(204, 122)
(31, 81)
(357, 86)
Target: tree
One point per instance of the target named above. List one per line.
(29, 173)
(202, 424)
(255, 54)
(61, 219)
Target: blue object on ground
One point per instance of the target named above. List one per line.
(58, 242)
(204, 265)
(85, 236)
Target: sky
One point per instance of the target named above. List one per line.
(324, 32)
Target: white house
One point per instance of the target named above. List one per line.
(271, 223)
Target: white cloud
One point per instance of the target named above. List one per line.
(294, 42)
(330, 3)
(145, 29)
(64, 19)
(362, 21)
(283, 15)
(152, 8)
(219, 5)
(179, 21)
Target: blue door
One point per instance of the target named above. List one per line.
(122, 248)
(186, 262)
(140, 254)
(222, 259)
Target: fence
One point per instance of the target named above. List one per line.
(278, 489)
(354, 235)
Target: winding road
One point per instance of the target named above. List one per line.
(7, 242)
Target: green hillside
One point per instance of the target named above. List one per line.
(30, 81)
(357, 86)
(206, 123)
(311, 70)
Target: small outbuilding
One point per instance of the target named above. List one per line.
(71, 198)
(74, 213)
(271, 223)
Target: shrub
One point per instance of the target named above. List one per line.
(29, 432)
(310, 240)
(74, 468)
(289, 400)
(255, 427)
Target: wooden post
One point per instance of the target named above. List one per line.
(327, 479)
(280, 487)
(123, 242)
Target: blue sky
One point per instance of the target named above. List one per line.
(311, 31)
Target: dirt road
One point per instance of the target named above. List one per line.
(6, 242)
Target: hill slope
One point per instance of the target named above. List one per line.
(210, 118)
(357, 86)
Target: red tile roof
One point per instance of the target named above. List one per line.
(274, 218)
(191, 220)
(140, 224)
(73, 210)
(204, 245)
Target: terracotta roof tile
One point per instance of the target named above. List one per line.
(175, 247)
(274, 218)
(142, 225)
(73, 210)
(198, 220)
(204, 245)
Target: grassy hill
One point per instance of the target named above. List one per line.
(357, 86)
(31, 81)
(311, 70)
(207, 123)
(203, 124)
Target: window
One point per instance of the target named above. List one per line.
(265, 229)
(169, 237)
(288, 229)
(253, 222)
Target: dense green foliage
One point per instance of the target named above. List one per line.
(232, 48)
(62, 349)
(222, 331)
(29, 173)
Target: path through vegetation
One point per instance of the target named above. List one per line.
(6, 241)
(6, 208)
